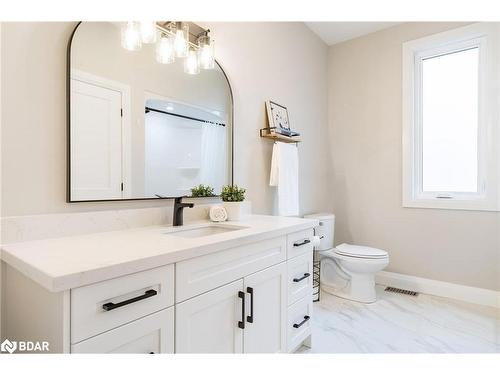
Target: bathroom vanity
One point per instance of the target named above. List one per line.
(238, 287)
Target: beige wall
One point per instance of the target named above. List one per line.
(365, 125)
(282, 61)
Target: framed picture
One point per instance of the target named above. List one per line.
(278, 117)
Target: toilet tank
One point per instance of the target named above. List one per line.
(325, 230)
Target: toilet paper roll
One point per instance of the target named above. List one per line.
(316, 240)
(218, 213)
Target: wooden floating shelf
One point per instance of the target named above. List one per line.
(265, 133)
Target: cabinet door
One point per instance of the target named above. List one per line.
(151, 334)
(265, 330)
(208, 323)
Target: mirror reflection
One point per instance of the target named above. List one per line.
(139, 128)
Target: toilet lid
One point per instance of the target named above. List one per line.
(360, 251)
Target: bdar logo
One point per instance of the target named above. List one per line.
(8, 346)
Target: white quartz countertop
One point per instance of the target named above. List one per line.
(69, 262)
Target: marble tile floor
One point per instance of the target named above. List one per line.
(403, 324)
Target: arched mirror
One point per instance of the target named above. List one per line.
(139, 128)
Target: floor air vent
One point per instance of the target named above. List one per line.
(401, 291)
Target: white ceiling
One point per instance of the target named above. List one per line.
(336, 32)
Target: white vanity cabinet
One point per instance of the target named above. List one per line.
(209, 323)
(252, 312)
(245, 316)
(252, 298)
(265, 332)
(152, 334)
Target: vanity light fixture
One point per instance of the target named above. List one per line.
(172, 41)
(148, 32)
(191, 65)
(131, 36)
(206, 52)
(165, 53)
(181, 39)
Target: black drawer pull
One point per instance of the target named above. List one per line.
(250, 317)
(241, 324)
(111, 306)
(306, 275)
(306, 318)
(305, 242)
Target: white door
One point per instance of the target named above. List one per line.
(209, 323)
(96, 142)
(265, 330)
(152, 334)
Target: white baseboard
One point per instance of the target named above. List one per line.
(459, 292)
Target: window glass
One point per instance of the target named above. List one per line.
(450, 122)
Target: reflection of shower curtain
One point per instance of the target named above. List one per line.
(213, 169)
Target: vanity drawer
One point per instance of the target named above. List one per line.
(99, 307)
(201, 274)
(300, 277)
(149, 335)
(299, 322)
(299, 243)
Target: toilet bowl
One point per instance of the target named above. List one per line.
(348, 271)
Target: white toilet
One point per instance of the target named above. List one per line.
(347, 271)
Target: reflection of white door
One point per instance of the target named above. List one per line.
(96, 142)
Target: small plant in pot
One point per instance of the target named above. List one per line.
(202, 191)
(233, 197)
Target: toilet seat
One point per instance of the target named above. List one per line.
(356, 251)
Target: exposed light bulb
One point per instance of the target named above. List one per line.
(165, 53)
(206, 52)
(148, 31)
(131, 36)
(181, 40)
(191, 63)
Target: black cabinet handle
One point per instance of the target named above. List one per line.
(306, 275)
(241, 324)
(111, 306)
(306, 318)
(305, 242)
(250, 317)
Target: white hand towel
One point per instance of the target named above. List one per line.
(218, 213)
(285, 175)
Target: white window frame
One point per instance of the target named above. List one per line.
(485, 37)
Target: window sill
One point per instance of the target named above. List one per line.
(452, 204)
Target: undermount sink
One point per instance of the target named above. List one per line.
(203, 231)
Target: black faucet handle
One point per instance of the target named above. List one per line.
(178, 201)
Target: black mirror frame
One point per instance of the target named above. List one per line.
(68, 132)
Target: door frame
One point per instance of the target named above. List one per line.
(126, 125)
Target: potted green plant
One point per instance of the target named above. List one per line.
(202, 191)
(233, 197)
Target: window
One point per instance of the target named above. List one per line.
(450, 120)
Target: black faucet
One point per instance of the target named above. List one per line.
(178, 211)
